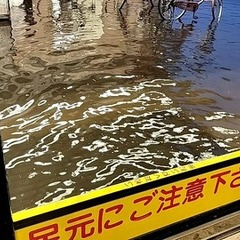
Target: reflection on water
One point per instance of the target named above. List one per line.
(90, 98)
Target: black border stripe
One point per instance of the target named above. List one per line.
(122, 193)
(6, 231)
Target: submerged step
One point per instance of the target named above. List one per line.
(4, 10)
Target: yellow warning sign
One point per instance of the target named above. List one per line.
(136, 207)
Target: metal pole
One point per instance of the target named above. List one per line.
(9, 9)
(28, 6)
(6, 223)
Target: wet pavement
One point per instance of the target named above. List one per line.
(224, 228)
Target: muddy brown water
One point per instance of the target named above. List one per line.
(91, 98)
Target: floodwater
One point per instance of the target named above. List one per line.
(91, 98)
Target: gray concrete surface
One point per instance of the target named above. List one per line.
(224, 228)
